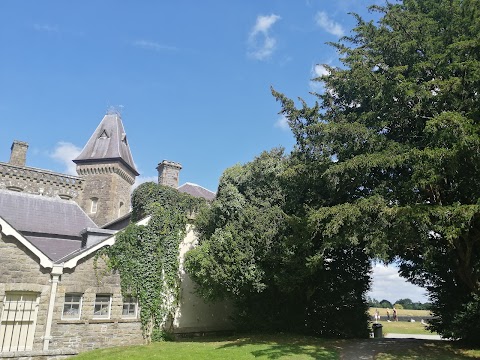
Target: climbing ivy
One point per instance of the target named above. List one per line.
(147, 256)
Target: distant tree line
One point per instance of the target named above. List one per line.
(407, 304)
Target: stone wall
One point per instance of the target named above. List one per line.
(111, 185)
(20, 271)
(88, 333)
(39, 182)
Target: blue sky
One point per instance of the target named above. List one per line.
(191, 78)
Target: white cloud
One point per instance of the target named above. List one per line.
(320, 70)
(64, 153)
(282, 123)
(152, 45)
(260, 43)
(332, 27)
(387, 284)
(45, 27)
(317, 71)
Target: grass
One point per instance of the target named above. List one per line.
(284, 346)
(404, 327)
(254, 347)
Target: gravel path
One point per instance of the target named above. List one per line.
(368, 348)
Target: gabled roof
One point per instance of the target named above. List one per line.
(51, 225)
(71, 260)
(43, 214)
(197, 191)
(8, 230)
(108, 143)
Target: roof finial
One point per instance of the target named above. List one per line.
(115, 110)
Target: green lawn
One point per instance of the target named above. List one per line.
(254, 347)
(404, 327)
(281, 347)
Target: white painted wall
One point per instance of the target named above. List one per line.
(194, 315)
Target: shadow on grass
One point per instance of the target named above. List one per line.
(284, 346)
(403, 349)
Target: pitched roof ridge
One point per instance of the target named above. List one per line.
(200, 186)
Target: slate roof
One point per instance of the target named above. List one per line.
(52, 225)
(197, 191)
(108, 142)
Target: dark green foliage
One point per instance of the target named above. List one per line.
(256, 249)
(147, 256)
(394, 140)
(162, 335)
(386, 304)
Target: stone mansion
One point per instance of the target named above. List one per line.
(51, 225)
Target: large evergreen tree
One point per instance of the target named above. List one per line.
(256, 249)
(394, 141)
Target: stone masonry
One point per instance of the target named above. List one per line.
(18, 154)
(88, 333)
(109, 184)
(20, 272)
(168, 173)
(39, 182)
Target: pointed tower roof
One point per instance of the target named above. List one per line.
(108, 142)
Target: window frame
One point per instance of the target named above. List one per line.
(129, 301)
(102, 305)
(94, 205)
(80, 303)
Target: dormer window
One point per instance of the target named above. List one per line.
(124, 138)
(103, 134)
(94, 205)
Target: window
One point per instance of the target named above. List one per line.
(72, 306)
(120, 209)
(129, 307)
(102, 307)
(93, 208)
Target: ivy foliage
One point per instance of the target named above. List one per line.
(147, 256)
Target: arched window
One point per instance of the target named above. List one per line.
(94, 206)
(120, 209)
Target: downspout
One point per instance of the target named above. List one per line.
(57, 271)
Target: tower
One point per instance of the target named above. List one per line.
(108, 170)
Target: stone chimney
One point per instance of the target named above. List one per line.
(168, 173)
(18, 156)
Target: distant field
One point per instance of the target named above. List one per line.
(400, 313)
(403, 326)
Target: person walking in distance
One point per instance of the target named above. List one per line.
(395, 317)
